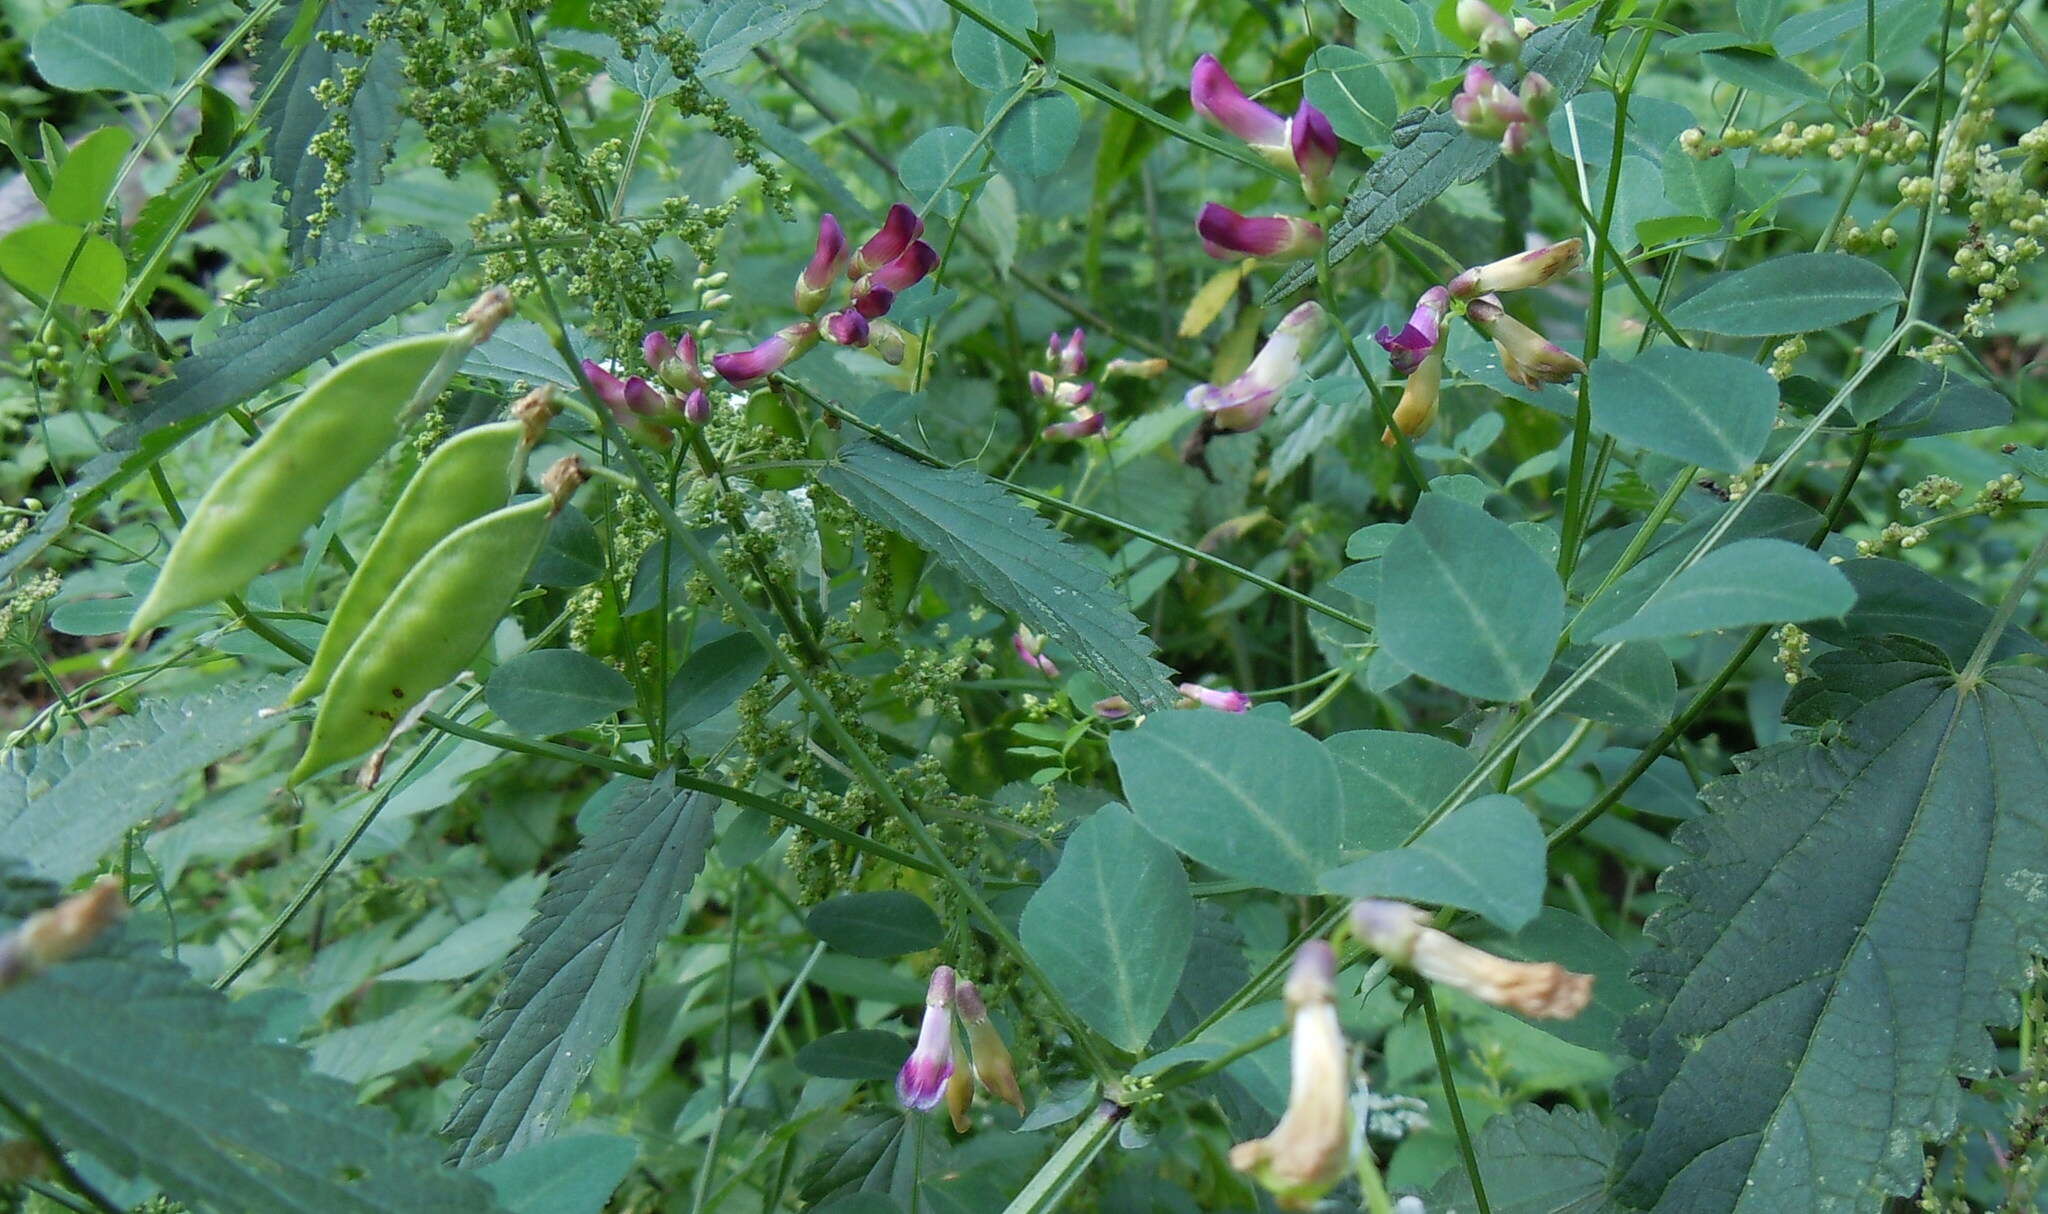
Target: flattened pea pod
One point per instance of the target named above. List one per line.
(282, 482)
(465, 478)
(433, 623)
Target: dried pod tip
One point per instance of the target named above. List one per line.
(562, 479)
(490, 309)
(535, 410)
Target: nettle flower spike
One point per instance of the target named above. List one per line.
(992, 1064)
(923, 1078)
(1529, 358)
(746, 368)
(1222, 699)
(1315, 147)
(1421, 336)
(1310, 1150)
(1417, 411)
(828, 259)
(1217, 98)
(1245, 402)
(1030, 649)
(1227, 234)
(900, 228)
(1402, 934)
(1495, 34)
(1535, 268)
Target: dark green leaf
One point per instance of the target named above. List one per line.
(876, 923)
(1112, 926)
(1714, 410)
(65, 803)
(1940, 401)
(1391, 782)
(1897, 599)
(1535, 1161)
(305, 317)
(1854, 917)
(1634, 687)
(1353, 92)
(854, 1054)
(123, 1055)
(714, 675)
(1797, 293)
(1487, 856)
(985, 60)
(861, 1148)
(550, 691)
(1434, 154)
(1762, 73)
(1744, 583)
(1249, 796)
(1037, 135)
(1466, 603)
(573, 1175)
(1769, 515)
(292, 116)
(97, 46)
(727, 31)
(1698, 185)
(572, 555)
(1011, 556)
(578, 966)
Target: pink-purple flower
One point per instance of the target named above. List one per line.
(1069, 355)
(1315, 146)
(900, 228)
(1226, 234)
(828, 259)
(847, 328)
(1085, 424)
(1245, 402)
(922, 1080)
(1030, 649)
(746, 368)
(1422, 334)
(1493, 32)
(1222, 699)
(1217, 98)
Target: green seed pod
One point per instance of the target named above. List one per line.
(433, 623)
(467, 477)
(282, 482)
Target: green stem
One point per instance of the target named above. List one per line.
(1048, 1187)
(1443, 1070)
(1404, 450)
(2007, 606)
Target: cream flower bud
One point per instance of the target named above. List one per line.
(61, 932)
(992, 1064)
(1401, 933)
(1535, 268)
(1417, 410)
(1310, 1150)
(1244, 402)
(1135, 368)
(1529, 358)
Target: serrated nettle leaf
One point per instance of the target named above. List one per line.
(1112, 926)
(1536, 1161)
(1435, 154)
(1036, 137)
(305, 317)
(854, 1054)
(1486, 856)
(1714, 410)
(65, 803)
(288, 72)
(578, 966)
(123, 1055)
(1249, 796)
(1798, 293)
(876, 923)
(1391, 781)
(550, 691)
(1894, 598)
(1854, 917)
(1745, 583)
(1466, 603)
(1010, 556)
(90, 47)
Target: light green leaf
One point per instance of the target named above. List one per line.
(550, 691)
(65, 803)
(36, 256)
(1431, 153)
(1112, 926)
(1466, 603)
(97, 46)
(1770, 75)
(124, 1056)
(1249, 796)
(1487, 856)
(1768, 515)
(985, 60)
(876, 923)
(1799, 293)
(1855, 915)
(472, 948)
(1745, 583)
(995, 217)
(1011, 556)
(85, 179)
(1353, 92)
(572, 1175)
(1634, 687)
(1391, 782)
(1698, 185)
(1390, 17)
(578, 966)
(1714, 410)
(1536, 1161)
(1036, 137)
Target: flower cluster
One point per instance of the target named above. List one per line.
(1062, 386)
(1416, 350)
(1489, 109)
(892, 261)
(1310, 1150)
(938, 1068)
(675, 393)
(1305, 144)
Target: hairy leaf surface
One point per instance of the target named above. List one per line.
(1855, 915)
(1536, 1161)
(1011, 556)
(579, 965)
(293, 116)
